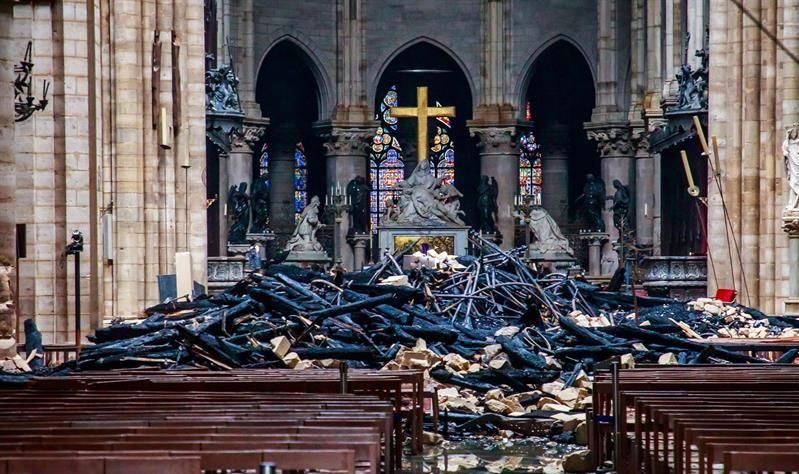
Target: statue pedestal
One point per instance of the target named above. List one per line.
(495, 237)
(263, 239)
(307, 258)
(595, 240)
(790, 224)
(224, 272)
(681, 278)
(791, 307)
(453, 240)
(235, 250)
(359, 244)
(557, 261)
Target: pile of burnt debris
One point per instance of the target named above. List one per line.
(499, 341)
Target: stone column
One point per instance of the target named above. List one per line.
(281, 174)
(594, 241)
(790, 225)
(359, 244)
(246, 60)
(614, 142)
(346, 155)
(8, 174)
(555, 191)
(352, 105)
(239, 166)
(499, 158)
(644, 191)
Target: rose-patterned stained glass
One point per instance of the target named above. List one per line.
(443, 155)
(386, 167)
(530, 173)
(300, 180)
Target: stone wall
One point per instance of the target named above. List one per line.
(754, 95)
(94, 152)
(8, 175)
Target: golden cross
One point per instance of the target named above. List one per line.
(422, 112)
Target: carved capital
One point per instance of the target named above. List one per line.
(346, 140)
(495, 139)
(247, 136)
(612, 139)
(640, 141)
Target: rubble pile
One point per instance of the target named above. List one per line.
(506, 349)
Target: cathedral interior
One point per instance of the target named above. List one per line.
(528, 221)
(131, 150)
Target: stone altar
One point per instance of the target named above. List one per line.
(453, 240)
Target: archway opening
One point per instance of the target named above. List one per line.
(289, 96)
(424, 64)
(560, 98)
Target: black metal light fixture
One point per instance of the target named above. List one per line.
(24, 102)
(75, 247)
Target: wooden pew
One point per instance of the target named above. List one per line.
(100, 464)
(129, 421)
(674, 409)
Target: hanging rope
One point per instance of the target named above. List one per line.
(729, 230)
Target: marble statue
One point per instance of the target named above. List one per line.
(423, 200)
(609, 263)
(259, 202)
(238, 204)
(621, 205)
(548, 237)
(304, 237)
(593, 203)
(487, 192)
(358, 191)
(790, 152)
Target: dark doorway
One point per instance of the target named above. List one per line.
(559, 99)
(425, 64)
(289, 96)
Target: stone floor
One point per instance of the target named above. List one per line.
(489, 454)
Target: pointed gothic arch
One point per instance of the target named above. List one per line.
(422, 62)
(530, 66)
(291, 96)
(325, 94)
(386, 62)
(558, 91)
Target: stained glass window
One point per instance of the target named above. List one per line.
(300, 180)
(443, 153)
(530, 168)
(263, 162)
(386, 167)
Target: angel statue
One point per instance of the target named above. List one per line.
(304, 237)
(790, 151)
